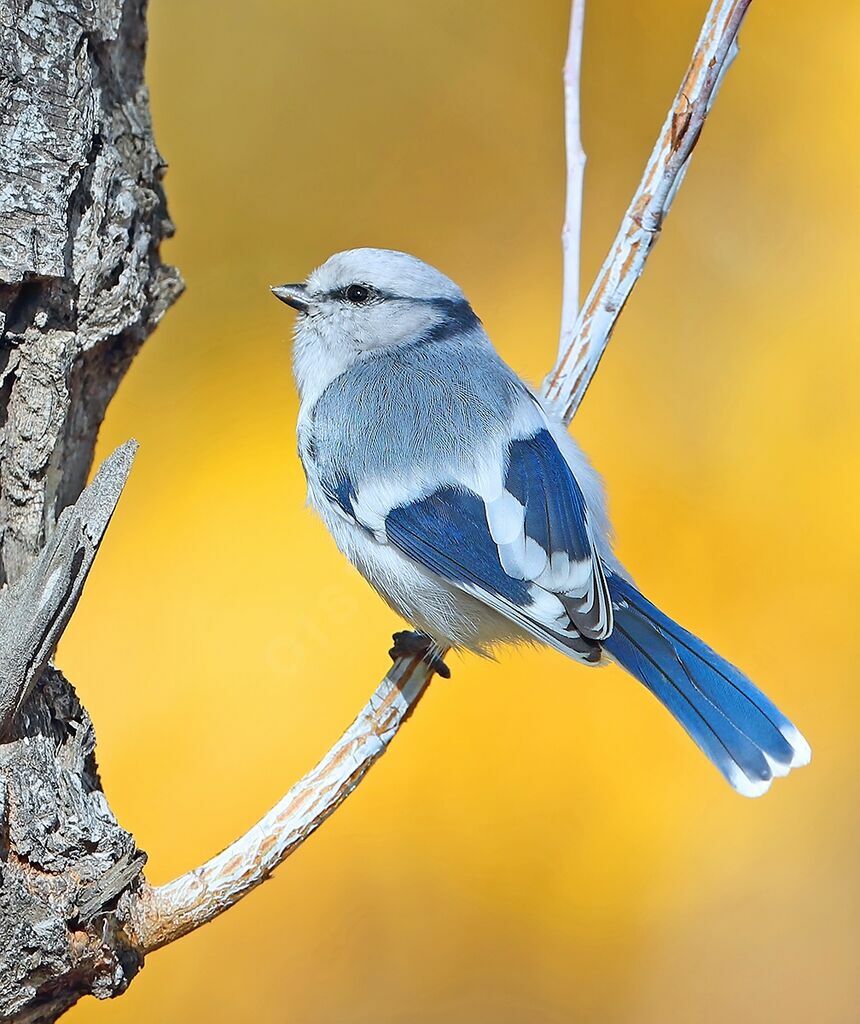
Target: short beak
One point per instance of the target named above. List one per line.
(295, 295)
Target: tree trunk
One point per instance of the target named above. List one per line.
(82, 216)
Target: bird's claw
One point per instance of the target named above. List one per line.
(409, 644)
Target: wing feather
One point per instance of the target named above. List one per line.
(509, 525)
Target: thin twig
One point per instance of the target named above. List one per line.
(566, 385)
(167, 912)
(171, 911)
(571, 234)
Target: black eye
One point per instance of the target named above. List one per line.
(357, 294)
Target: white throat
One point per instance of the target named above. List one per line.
(316, 365)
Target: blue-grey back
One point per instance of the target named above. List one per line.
(413, 408)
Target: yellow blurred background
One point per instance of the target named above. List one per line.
(541, 843)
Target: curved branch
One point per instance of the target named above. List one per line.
(566, 385)
(171, 911)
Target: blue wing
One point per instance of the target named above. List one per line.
(504, 520)
(447, 532)
(542, 529)
(525, 548)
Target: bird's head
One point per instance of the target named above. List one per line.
(364, 300)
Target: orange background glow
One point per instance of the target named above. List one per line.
(542, 843)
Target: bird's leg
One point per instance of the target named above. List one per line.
(408, 644)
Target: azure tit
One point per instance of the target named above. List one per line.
(466, 504)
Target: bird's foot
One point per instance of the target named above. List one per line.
(410, 644)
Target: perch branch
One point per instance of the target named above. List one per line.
(571, 234)
(167, 912)
(35, 609)
(171, 911)
(566, 385)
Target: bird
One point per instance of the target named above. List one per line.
(464, 501)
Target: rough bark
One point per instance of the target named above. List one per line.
(82, 215)
(70, 873)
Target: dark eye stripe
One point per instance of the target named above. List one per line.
(456, 310)
(347, 293)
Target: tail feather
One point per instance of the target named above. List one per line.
(742, 732)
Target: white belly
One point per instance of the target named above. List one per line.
(428, 602)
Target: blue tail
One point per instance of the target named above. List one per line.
(733, 723)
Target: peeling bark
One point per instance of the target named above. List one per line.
(82, 216)
(36, 609)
